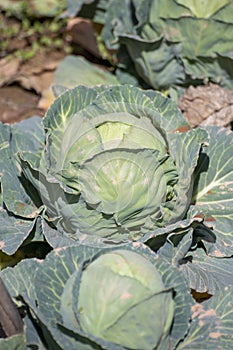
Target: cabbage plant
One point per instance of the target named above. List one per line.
(166, 43)
(127, 293)
(103, 166)
(110, 165)
(115, 299)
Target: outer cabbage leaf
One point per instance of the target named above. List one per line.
(207, 8)
(13, 232)
(73, 71)
(160, 41)
(23, 136)
(73, 7)
(18, 196)
(224, 14)
(204, 273)
(212, 323)
(220, 68)
(156, 62)
(20, 282)
(93, 9)
(33, 337)
(213, 189)
(15, 342)
(204, 44)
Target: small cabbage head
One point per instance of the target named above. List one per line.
(120, 300)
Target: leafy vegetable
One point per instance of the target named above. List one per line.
(168, 43)
(33, 8)
(115, 214)
(62, 279)
(119, 309)
(16, 342)
(109, 169)
(127, 295)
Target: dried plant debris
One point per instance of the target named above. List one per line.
(207, 105)
(17, 104)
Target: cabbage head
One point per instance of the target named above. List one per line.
(117, 162)
(120, 296)
(114, 298)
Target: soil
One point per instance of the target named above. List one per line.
(25, 82)
(26, 65)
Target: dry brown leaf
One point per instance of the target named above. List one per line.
(207, 105)
(8, 70)
(17, 104)
(46, 99)
(37, 82)
(37, 73)
(82, 32)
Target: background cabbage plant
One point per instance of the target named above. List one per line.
(165, 43)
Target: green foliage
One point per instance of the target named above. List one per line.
(168, 43)
(133, 280)
(122, 143)
(24, 38)
(76, 70)
(33, 8)
(114, 164)
(112, 208)
(128, 291)
(137, 209)
(62, 278)
(15, 342)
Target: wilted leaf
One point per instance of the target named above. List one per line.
(207, 105)
(8, 70)
(82, 33)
